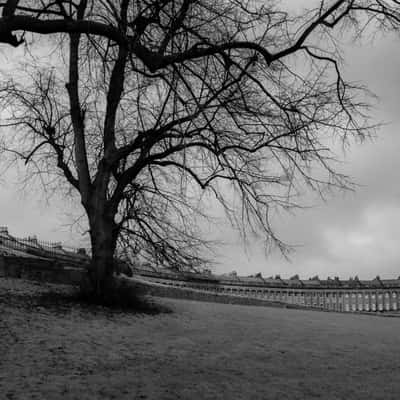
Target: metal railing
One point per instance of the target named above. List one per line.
(40, 248)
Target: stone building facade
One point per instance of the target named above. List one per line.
(32, 259)
(352, 295)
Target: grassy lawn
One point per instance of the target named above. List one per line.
(52, 349)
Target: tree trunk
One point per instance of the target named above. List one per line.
(103, 234)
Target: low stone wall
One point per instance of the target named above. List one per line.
(341, 299)
(49, 271)
(159, 290)
(366, 297)
(39, 269)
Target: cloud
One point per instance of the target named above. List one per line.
(350, 234)
(353, 233)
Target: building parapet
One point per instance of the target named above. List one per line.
(277, 282)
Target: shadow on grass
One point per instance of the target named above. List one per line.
(67, 299)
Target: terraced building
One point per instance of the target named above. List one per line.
(331, 294)
(33, 259)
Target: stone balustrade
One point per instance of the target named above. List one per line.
(347, 296)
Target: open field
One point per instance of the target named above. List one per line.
(199, 351)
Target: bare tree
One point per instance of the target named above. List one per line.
(160, 101)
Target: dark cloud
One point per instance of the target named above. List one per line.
(349, 234)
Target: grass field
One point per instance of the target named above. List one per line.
(53, 349)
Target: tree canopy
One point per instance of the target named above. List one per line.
(146, 105)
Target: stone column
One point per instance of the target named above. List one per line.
(307, 298)
(380, 301)
(326, 300)
(340, 301)
(387, 301)
(346, 302)
(373, 299)
(394, 301)
(351, 301)
(360, 303)
(366, 301)
(337, 301)
(331, 301)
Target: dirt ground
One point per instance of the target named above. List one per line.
(59, 350)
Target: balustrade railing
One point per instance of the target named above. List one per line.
(31, 245)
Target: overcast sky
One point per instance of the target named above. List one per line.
(350, 234)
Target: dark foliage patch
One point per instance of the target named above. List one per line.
(64, 299)
(121, 299)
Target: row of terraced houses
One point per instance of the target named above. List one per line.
(352, 295)
(31, 258)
